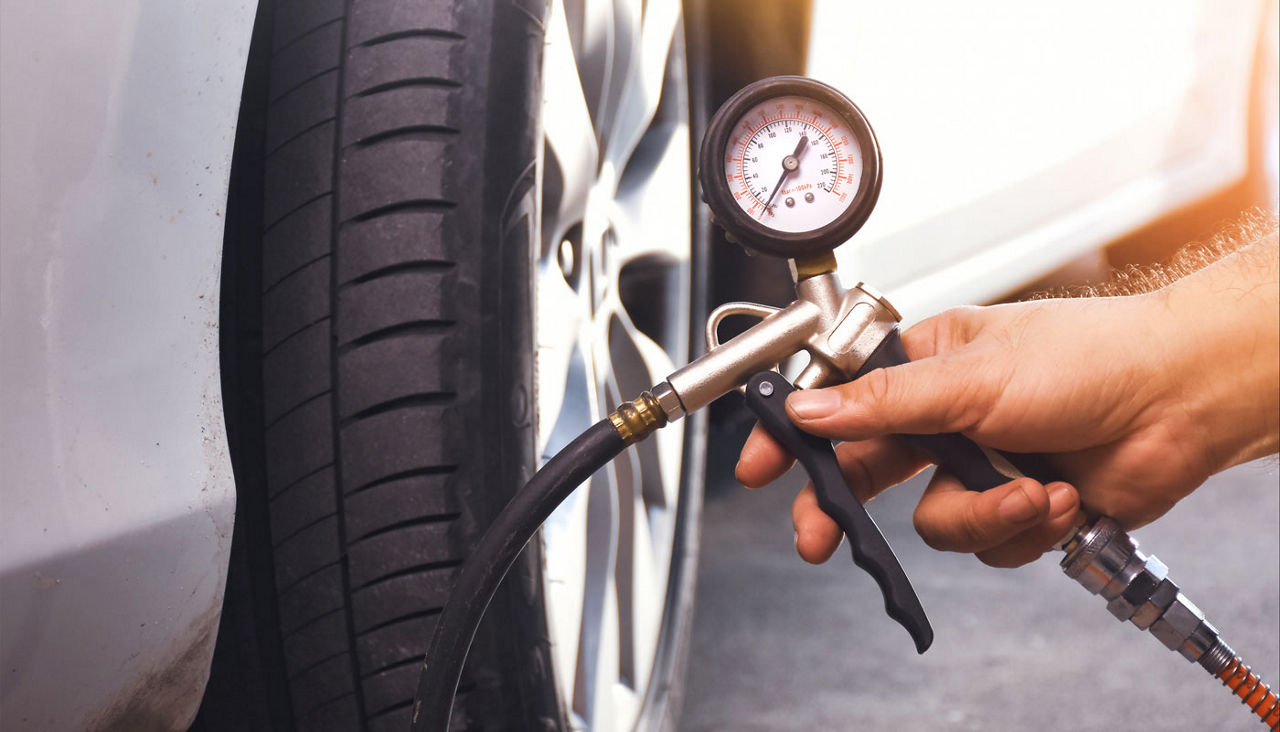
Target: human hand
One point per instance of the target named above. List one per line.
(1125, 396)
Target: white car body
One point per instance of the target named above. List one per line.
(115, 147)
(117, 497)
(1019, 136)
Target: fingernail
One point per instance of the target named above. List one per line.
(1060, 499)
(795, 539)
(1017, 507)
(813, 404)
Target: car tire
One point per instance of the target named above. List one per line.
(384, 390)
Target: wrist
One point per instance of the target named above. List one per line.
(1221, 329)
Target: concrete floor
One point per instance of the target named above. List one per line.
(781, 645)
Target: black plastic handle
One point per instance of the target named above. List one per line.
(767, 396)
(978, 468)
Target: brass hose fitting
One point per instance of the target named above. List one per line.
(639, 418)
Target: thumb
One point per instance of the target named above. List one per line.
(949, 393)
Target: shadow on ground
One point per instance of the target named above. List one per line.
(781, 645)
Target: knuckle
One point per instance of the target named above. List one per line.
(946, 318)
(925, 528)
(876, 387)
(861, 479)
(973, 398)
(973, 529)
(957, 327)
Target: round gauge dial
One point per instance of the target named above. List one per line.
(790, 167)
(793, 164)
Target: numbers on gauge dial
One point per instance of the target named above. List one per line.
(813, 187)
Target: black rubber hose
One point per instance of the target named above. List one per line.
(498, 549)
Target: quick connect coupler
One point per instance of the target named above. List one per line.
(1107, 562)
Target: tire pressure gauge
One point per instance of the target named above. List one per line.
(790, 167)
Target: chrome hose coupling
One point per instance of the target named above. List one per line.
(1107, 562)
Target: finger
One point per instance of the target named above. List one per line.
(817, 535)
(868, 468)
(950, 518)
(873, 404)
(762, 459)
(943, 332)
(1026, 547)
(871, 466)
(920, 397)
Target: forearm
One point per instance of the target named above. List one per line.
(1225, 322)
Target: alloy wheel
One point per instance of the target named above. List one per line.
(612, 303)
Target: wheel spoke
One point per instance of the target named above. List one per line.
(563, 405)
(633, 377)
(638, 363)
(629, 475)
(651, 560)
(644, 508)
(639, 77)
(626, 16)
(593, 31)
(568, 128)
(597, 635)
(650, 212)
(651, 218)
(564, 533)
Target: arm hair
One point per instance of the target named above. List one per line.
(1248, 235)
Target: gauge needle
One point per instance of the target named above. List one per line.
(790, 164)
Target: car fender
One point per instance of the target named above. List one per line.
(117, 496)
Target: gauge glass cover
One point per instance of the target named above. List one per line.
(781, 189)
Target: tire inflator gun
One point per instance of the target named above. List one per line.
(790, 168)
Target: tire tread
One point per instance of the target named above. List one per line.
(365, 240)
(301, 110)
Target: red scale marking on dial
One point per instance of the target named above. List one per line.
(741, 176)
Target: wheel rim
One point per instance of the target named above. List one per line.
(612, 302)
